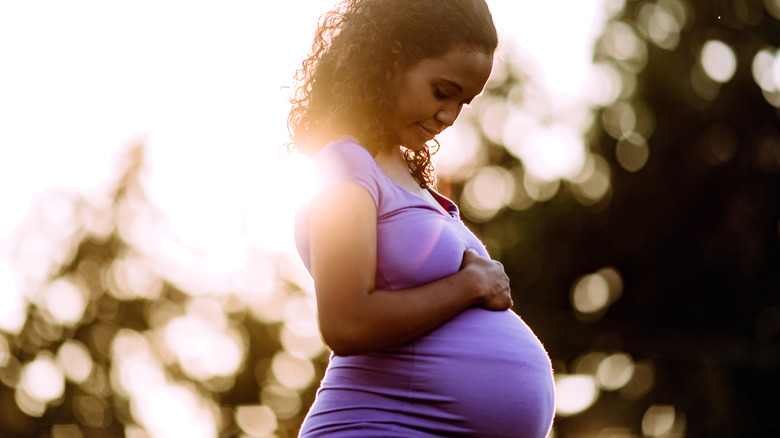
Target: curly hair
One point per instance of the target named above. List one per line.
(344, 86)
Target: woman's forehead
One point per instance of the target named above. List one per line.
(465, 68)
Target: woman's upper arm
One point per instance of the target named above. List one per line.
(342, 226)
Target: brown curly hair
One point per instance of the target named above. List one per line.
(344, 84)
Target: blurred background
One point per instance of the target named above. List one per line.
(623, 164)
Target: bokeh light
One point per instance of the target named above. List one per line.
(773, 7)
(204, 348)
(256, 421)
(92, 411)
(64, 301)
(763, 69)
(615, 371)
(590, 294)
(593, 184)
(5, 351)
(593, 293)
(718, 60)
(574, 394)
(42, 380)
(641, 382)
(75, 360)
(487, 192)
(283, 401)
(632, 152)
(662, 22)
(766, 73)
(663, 421)
(292, 371)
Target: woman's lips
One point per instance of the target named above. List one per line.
(428, 132)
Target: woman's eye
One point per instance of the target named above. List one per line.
(440, 94)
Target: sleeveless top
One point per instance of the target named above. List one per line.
(481, 374)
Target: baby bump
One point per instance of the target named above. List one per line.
(481, 374)
(493, 371)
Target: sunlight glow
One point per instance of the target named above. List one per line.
(161, 406)
(564, 61)
(551, 153)
(214, 114)
(13, 306)
(460, 145)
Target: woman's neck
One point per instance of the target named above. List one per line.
(392, 162)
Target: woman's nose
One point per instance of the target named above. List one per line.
(448, 115)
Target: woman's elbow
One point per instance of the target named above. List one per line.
(344, 341)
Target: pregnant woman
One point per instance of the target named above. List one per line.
(417, 315)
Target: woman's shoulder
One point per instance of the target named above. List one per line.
(345, 155)
(346, 160)
(345, 148)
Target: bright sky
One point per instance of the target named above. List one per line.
(201, 82)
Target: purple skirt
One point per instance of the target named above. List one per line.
(481, 374)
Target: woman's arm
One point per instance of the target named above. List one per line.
(353, 317)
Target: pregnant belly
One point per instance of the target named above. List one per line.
(483, 373)
(490, 370)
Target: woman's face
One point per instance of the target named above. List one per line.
(432, 92)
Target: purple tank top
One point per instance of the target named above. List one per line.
(481, 374)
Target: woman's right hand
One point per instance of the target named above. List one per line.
(489, 280)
